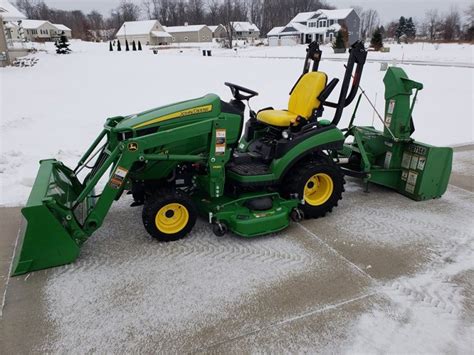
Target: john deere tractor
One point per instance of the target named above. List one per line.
(199, 157)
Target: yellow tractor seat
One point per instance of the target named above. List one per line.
(303, 101)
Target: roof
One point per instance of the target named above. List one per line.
(300, 28)
(160, 34)
(34, 24)
(61, 27)
(136, 27)
(303, 16)
(330, 14)
(214, 28)
(336, 14)
(275, 31)
(8, 12)
(186, 28)
(244, 26)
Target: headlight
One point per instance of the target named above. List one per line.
(285, 134)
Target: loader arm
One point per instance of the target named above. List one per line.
(63, 212)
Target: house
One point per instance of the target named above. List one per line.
(38, 30)
(245, 30)
(321, 26)
(9, 17)
(218, 32)
(149, 32)
(63, 29)
(9, 13)
(190, 33)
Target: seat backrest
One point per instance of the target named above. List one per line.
(304, 97)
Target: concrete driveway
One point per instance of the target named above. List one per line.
(382, 273)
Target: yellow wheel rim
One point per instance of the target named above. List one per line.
(318, 189)
(172, 218)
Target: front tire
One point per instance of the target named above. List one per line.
(320, 183)
(169, 216)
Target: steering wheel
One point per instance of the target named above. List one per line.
(237, 92)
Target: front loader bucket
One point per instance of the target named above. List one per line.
(48, 239)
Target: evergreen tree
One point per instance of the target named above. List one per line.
(377, 41)
(401, 29)
(127, 48)
(62, 46)
(339, 41)
(111, 48)
(119, 47)
(134, 46)
(139, 45)
(410, 29)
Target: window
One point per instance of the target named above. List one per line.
(322, 23)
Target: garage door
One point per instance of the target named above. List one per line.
(273, 41)
(289, 40)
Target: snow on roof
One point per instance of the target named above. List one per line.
(330, 14)
(8, 12)
(335, 26)
(61, 27)
(33, 24)
(336, 14)
(136, 27)
(275, 31)
(303, 16)
(298, 27)
(244, 26)
(214, 28)
(186, 28)
(160, 34)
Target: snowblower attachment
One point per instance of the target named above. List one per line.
(48, 240)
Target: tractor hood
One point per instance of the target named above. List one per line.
(206, 106)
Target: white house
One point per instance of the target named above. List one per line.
(245, 30)
(61, 28)
(38, 30)
(320, 26)
(149, 32)
(9, 16)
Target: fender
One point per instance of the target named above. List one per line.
(330, 138)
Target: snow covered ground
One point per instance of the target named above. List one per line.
(380, 274)
(419, 52)
(56, 108)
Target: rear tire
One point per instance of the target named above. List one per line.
(169, 216)
(320, 183)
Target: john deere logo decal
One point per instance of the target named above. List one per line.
(179, 114)
(133, 147)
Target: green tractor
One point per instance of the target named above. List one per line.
(197, 157)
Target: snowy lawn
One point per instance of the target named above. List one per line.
(56, 108)
(419, 52)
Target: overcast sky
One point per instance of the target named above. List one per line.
(388, 9)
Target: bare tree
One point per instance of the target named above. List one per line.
(230, 12)
(96, 20)
(369, 20)
(431, 23)
(129, 11)
(213, 12)
(451, 25)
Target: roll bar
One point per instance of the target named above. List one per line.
(357, 56)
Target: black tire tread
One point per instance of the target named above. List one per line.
(295, 183)
(158, 200)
